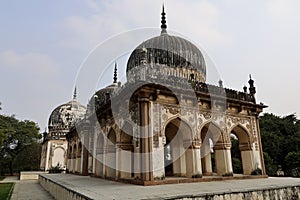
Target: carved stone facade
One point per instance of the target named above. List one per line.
(165, 120)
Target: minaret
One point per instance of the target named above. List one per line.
(252, 89)
(115, 74)
(163, 21)
(75, 93)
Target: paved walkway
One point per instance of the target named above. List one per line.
(27, 189)
(96, 188)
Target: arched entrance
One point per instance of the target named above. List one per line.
(58, 158)
(245, 148)
(177, 133)
(78, 159)
(125, 152)
(69, 164)
(100, 156)
(215, 153)
(110, 155)
(74, 158)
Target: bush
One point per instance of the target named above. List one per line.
(56, 170)
(257, 171)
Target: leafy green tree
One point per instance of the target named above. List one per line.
(271, 167)
(16, 137)
(293, 163)
(280, 136)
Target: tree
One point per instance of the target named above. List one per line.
(280, 136)
(16, 137)
(293, 163)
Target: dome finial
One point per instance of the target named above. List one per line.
(75, 93)
(163, 21)
(115, 73)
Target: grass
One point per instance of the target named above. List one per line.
(6, 190)
(2, 177)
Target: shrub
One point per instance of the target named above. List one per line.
(257, 171)
(56, 169)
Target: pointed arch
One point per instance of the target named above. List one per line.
(211, 130)
(212, 136)
(179, 136)
(245, 146)
(243, 135)
(180, 123)
(126, 134)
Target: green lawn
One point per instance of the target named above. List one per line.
(6, 190)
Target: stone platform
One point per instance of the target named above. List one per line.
(31, 175)
(69, 187)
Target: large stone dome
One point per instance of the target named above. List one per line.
(168, 50)
(66, 114)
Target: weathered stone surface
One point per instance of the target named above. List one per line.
(71, 187)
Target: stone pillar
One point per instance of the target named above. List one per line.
(111, 161)
(263, 169)
(178, 158)
(247, 158)
(124, 159)
(79, 165)
(85, 153)
(158, 157)
(48, 155)
(74, 160)
(223, 159)
(193, 160)
(146, 137)
(137, 162)
(206, 165)
(206, 159)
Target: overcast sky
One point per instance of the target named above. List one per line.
(43, 45)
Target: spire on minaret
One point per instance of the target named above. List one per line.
(163, 21)
(252, 89)
(115, 74)
(75, 93)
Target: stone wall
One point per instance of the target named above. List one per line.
(31, 175)
(60, 192)
(287, 193)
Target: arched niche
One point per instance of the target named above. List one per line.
(212, 137)
(178, 134)
(245, 146)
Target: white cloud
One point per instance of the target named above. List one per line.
(195, 19)
(31, 82)
(282, 10)
(33, 63)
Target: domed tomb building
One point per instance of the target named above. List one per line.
(54, 148)
(166, 121)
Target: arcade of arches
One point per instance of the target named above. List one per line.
(174, 124)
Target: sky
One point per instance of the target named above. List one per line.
(44, 44)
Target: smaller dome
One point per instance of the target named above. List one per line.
(67, 114)
(101, 96)
(104, 94)
(107, 90)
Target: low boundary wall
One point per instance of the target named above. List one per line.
(65, 192)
